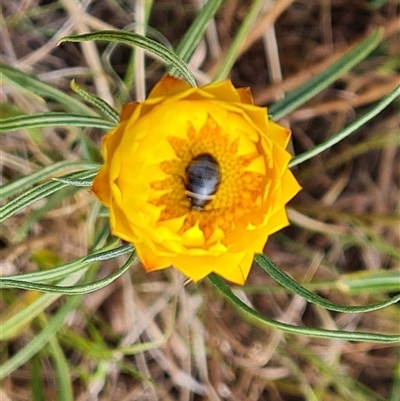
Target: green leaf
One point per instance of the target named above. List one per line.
(70, 273)
(75, 182)
(371, 281)
(28, 83)
(247, 24)
(65, 392)
(40, 192)
(39, 340)
(68, 269)
(11, 326)
(36, 379)
(96, 101)
(195, 32)
(37, 213)
(395, 390)
(283, 279)
(263, 321)
(69, 290)
(21, 184)
(53, 119)
(346, 131)
(133, 39)
(316, 84)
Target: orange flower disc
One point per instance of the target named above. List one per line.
(143, 181)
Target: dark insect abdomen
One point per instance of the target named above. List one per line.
(202, 180)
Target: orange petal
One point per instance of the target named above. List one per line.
(236, 267)
(290, 186)
(112, 140)
(128, 109)
(195, 268)
(101, 186)
(223, 90)
(149, 258)
(120, 225)
(276, 222)
(278, 133)
(281, 159)
(245, 265)
(256, 116)
(245, 95)
(168, 86)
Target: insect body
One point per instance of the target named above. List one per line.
(202, 180)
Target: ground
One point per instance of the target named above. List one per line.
(149, 336)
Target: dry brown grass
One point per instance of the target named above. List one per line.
(150, 337)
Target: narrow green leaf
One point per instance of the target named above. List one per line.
(11, 326)
(316, 84)
(133, 39)
(109, 112)
(65, 392)
(72, 267)
(94, 346)
(70, 290)
(256, 317)
(39, 340)
(42, 338)
(109, 254)
(36, 379)
(344, 386)
(196, 31)
(247, 24)
(283, 279)
(28, 197)
(38, 212)
(53, 119)
(20, 184)
(31, 84)
(371, 281)
(39, 192)
(75, 182)
(347, 131)
(131, 66)
(395, 390)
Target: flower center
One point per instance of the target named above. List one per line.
(229, 199)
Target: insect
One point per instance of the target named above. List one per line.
(202, 180)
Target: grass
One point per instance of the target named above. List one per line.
(150, 336)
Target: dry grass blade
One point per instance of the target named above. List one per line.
(154, 337)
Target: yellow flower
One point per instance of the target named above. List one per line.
(145, 181)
